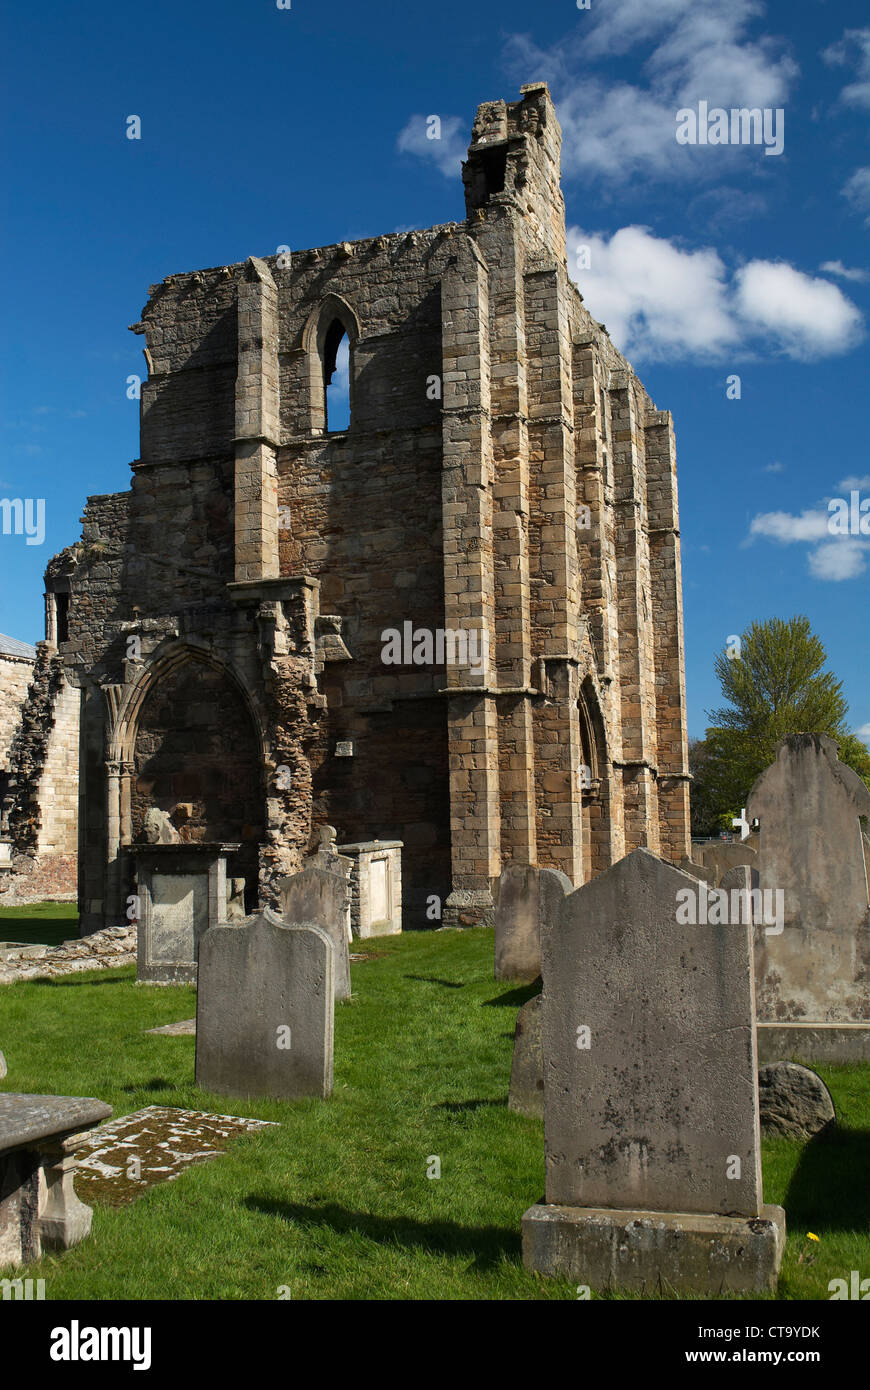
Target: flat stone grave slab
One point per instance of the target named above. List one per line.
(185, 1028)
(165, 1140)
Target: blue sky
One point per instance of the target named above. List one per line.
(263, 127)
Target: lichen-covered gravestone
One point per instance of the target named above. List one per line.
(813, 977)
(653, 1173)
(264, 1009)
(319, 895)
(794, 1101)
(526, 899)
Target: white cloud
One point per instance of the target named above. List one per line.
(783, 527)
(857, 190)
(698, 52)
(662, 301)
(844, 272)
(447, 152)
(853, 50)
(807, 316)
(656, 299)
(864, 732)
(774, 468)
(832, 558)
(847, 484)
(843, 558)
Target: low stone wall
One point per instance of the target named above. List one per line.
(48, 878)
(103, 950)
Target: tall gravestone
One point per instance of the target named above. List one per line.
(318, 895)
(813, 977)
(264, 1009)
(526, 898)
(653, 1173)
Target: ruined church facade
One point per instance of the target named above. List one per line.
(504, 479)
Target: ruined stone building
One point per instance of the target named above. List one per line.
(504, 479)
(39, 754)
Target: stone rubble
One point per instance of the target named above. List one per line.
(104, 950)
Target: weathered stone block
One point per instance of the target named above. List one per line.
(656, 1252)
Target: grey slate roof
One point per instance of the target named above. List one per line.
(10, 646)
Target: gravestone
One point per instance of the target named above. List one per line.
(653, 1172)
(318, 895)
(182, 891)
(526, 899)
(813, 977)
(722, 855)
(264, 1009)
(526, 1096)
(793, 1101)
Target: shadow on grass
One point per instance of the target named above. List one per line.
(157, 1083)
(514, 998)
(455, 1106)
(39, 931)
(829, 1186)
(488, 1245)
(72, 981)
(434, 980)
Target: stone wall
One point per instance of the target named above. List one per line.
(15, 676)
(42, 819)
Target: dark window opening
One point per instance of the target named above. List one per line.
(494, 163)
(62, 612)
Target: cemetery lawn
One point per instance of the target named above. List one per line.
(39, 924)
(335, 1203)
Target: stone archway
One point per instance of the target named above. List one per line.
(193, 751)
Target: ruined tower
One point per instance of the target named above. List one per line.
(504, 476)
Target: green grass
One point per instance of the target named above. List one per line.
(43, 924)
(336, 1203)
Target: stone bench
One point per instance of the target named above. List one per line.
(39, 1209)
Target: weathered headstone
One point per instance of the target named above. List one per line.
(813, 976)
(526, 1095)
(691, 866)
(527, 898)
(319, 895)
(653, 1172)
(793, 1101)
(722, 855)
(264, 1009)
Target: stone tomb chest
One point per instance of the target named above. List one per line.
(375, 887)
(182, 891)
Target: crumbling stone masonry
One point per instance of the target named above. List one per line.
(504, 476)
(38, 778)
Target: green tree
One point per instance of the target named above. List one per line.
(776, 685)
